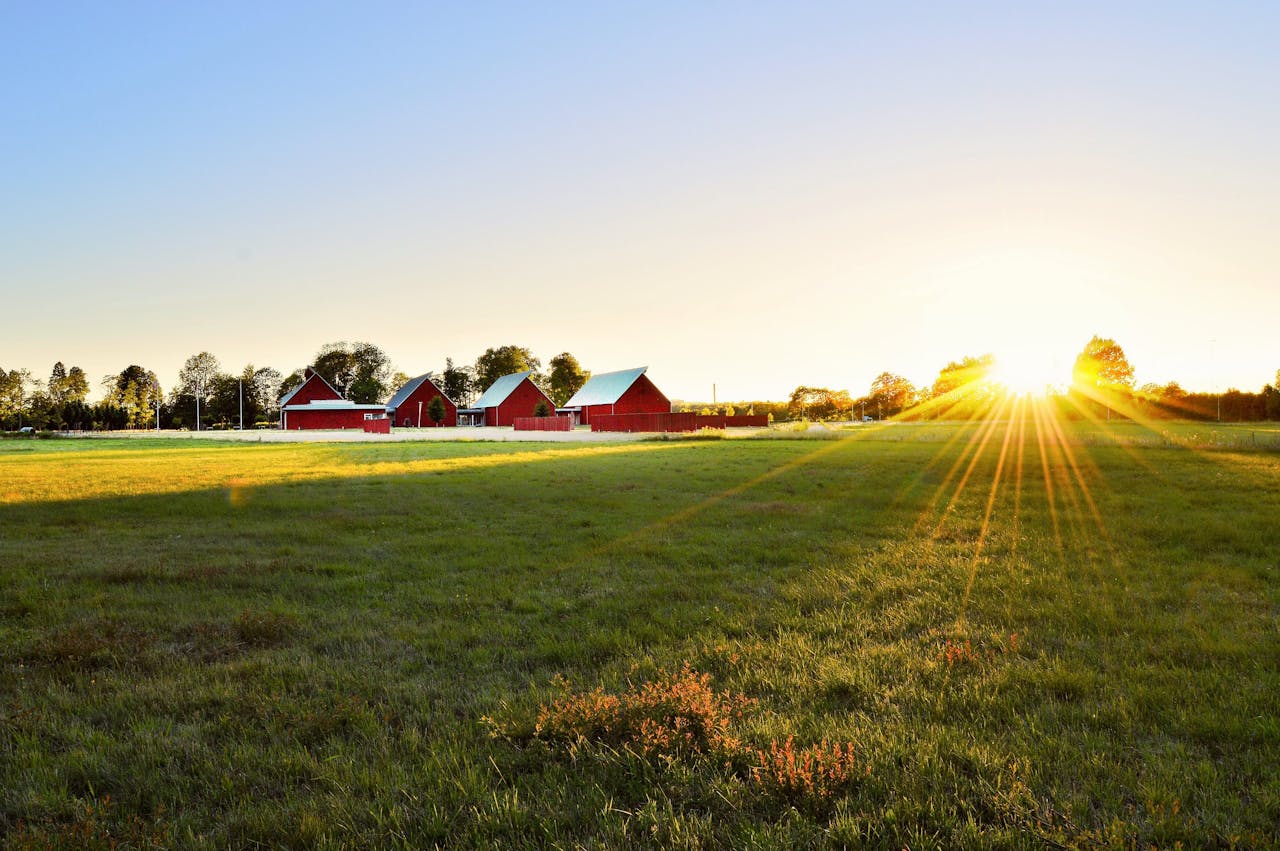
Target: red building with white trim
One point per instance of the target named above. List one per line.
(408, 407)
(510, 396)
(315, 404)
(627, 391)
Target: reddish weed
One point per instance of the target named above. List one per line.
(818, 771)
(679, 716)
(957, 653)
(674, 714)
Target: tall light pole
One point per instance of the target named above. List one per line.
(242, 404)
(197, 404)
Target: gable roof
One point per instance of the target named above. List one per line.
(605, 388)
(411, 387)
(500, 389)
(308, 374)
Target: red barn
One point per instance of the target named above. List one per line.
(408, 407)
(315, 404)
(312, 388)
(511, 396)
(628, 391)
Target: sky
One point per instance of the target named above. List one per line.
(747, 195)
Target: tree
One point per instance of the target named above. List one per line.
(436, 410)
(966, 372)
(495, 363)
(57, 381)
(75, 388)
(136, 393)
(458, 383)
(398, 380)
(361, 372)
(566, 378)
(12, 397)
(818, 403)
(266, 391)
(196, 384)
(891, 395)
(1271, 400)
(541, 409)
(1102, 364)
(1102, 372)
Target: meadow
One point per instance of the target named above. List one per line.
(1020, 634)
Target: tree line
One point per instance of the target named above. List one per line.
(208, 396)
(1102, 387)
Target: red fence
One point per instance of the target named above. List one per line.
(543, 423)
(747, 421)
(380, 426)
(645, 422)
(671, 422)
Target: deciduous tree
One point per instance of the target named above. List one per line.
(361, 372)
(566, 378)
(436, 410)
(1102, 364)
(457, 382)
(891, 394)
(504, 360)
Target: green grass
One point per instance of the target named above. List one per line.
(218, 645)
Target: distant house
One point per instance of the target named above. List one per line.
(408, 407)
(316, 404)
(510, 396)
(627, 391)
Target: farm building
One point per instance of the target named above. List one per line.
(313, 388)
(627, 391)
(316, 404)
(510, 396)
(408, 407)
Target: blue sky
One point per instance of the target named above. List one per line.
(756, 195)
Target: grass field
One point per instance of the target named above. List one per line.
(1064, 641)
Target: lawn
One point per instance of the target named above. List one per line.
(1008, 635)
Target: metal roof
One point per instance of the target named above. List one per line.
(500, 389)
(606, 388)
(408, 390)
(331, 405)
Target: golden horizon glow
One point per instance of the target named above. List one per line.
(1026, 373)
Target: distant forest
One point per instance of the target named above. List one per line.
(206, 396)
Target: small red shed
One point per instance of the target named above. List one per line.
(510, 396)
(627, 391)
(408, 407)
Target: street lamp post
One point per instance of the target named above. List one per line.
(242, 404)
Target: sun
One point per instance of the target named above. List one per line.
(1025, 373)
